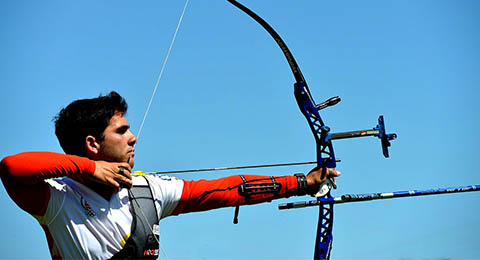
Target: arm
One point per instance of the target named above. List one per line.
(23, 176)
(204, 195)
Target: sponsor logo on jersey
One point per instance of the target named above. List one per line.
(87, 207)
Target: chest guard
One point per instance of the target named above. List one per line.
(143, 241)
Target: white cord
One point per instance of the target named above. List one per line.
(161, 70)
(151, 100)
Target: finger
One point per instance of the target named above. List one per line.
(331, 173)
(127, 180)
(335, 173)
(126, 183)
(324, 173)
(124, 172)
(120, 182)
(124, 180)
(114, 184)
(121, 170)
(126, 166)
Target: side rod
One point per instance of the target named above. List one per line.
(375, 196)
(354, 134)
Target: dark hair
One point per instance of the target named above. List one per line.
(85, 117)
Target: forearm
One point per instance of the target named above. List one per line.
(224, 192)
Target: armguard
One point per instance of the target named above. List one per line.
(247, 189)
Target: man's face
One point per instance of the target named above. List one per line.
(118, 142)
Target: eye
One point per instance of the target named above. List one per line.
(123, 129)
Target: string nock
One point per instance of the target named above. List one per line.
(330, 102)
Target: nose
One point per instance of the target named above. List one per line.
(133, 139)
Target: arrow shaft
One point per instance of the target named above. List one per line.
(227, 168)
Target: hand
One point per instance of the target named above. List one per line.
(317, 176)
(115, 175)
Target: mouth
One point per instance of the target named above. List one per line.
(131, 154)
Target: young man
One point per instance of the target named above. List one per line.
(85, 200)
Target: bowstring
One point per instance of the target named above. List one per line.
(148, 109)
(162, 69)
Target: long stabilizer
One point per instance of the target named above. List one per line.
(376, 196)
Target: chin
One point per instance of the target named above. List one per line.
(131, 162)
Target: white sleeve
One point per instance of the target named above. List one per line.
(55, 203)
(167, 192)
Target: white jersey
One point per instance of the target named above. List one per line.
(81, 224)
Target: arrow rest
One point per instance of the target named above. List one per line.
(325, 188)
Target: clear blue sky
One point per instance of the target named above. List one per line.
(226, 98)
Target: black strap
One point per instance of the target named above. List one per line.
(237, 208)
(142, 243)
(302, 185)
(246, 189)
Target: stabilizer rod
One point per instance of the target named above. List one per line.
(378, 131)
(376, 196)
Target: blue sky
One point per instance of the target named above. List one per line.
(226, 98)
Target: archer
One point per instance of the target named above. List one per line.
(90, 206)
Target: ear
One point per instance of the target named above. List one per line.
(92, 146)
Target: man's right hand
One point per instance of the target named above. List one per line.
(112, 174)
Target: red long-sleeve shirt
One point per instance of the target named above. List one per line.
(23, 176)
(66, 209)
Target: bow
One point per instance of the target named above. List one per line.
(323, 138)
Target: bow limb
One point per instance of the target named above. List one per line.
(288, 54)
